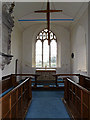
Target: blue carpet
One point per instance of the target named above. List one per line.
(49, 84)
(47, 104)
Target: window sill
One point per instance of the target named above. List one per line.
(46, 69)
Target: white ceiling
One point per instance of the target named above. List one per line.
(25, 10)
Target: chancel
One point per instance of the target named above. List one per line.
(44, 60)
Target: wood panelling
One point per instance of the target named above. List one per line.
(77, 99)
(15, 103)
(8, 82)
(84, 81)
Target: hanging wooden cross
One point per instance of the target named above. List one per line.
(48, 11)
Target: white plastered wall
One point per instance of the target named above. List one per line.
(63, 39)
(16, 51)
(79, 45)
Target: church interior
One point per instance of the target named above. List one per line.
(45, 60)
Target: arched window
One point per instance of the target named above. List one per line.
(46, 55)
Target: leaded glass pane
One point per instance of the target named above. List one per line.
(53, 53)
(51, 35)
(44, 36)
(38, 53)
(46, 54)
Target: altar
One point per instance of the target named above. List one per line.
(46, 74)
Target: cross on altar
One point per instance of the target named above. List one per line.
(48, 11)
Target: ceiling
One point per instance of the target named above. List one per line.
(25, 10)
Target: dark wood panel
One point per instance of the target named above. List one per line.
(8, 82)
(78, 99)
(15, 103)
(5, 105)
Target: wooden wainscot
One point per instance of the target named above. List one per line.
(31, 76)
(77, 98)
(8, 82)
(84, 81)
(15, 103)
(64, 76)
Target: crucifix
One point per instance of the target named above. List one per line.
(48, 11)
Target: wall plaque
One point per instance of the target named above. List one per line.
(7, 25)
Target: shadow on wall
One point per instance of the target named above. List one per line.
(63, 70)
(28, 69)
